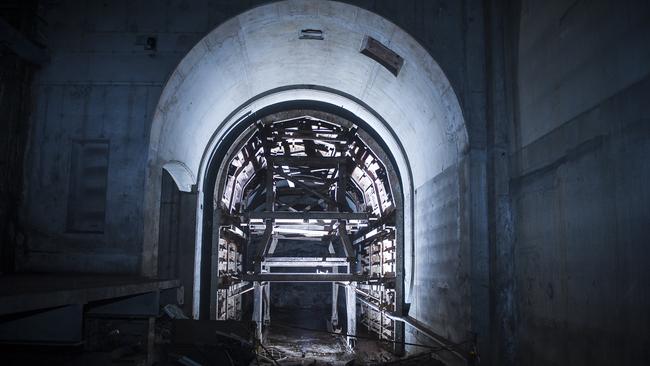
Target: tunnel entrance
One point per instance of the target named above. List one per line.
(213, 121)
(306, 233)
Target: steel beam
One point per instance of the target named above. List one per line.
(311, 264)
(287, 261)
(267, 303)
(308, 138)
(351, 307)
(214, 262)
(309, 215)
(359, 161)
(295, 225)
(265, 245)
(274, 244)
(270, 185)
(304, 186)
(341, 186)
(311, 161)
(298, 238)
(347, 244)
(305, 277)
(257, 310)
(335, 302)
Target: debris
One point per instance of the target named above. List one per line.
(212, 342)
(186, 361)
(174, 312)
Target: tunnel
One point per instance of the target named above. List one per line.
(324, 182)
(307, 196)
(333, 66)
(371, 89)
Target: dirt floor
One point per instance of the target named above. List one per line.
(301, 337)
(294, 337)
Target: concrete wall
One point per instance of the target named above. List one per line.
(15, 80)
(102, 84)
(15, 90)
(442, 284)
(418, 105)
(177, 231)
(580, 150)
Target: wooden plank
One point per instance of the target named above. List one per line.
(382, 54)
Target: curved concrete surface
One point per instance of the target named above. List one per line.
(260, 51)
(181, 174)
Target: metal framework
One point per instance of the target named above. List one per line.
(229, 306)
(311, 180)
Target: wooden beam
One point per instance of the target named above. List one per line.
(382, 54)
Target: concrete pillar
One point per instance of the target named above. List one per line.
(257, 309)
(351, 307)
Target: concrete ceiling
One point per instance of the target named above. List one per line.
(261, 50)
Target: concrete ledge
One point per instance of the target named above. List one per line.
(26, 292)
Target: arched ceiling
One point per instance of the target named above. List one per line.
(262, 58)
(264, 49)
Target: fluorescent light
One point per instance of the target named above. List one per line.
(311, 233)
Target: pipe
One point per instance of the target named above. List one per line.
(241, 292)
(410, 322)
(366, 294)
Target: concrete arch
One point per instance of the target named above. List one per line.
(314, 98)
(257, 59)
(181, 174)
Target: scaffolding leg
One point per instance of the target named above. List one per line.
(257, 310)
(335, 302)
(351, 307)
(267, 304)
